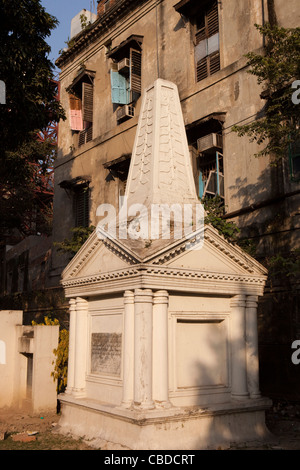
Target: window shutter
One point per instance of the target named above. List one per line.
(212, 20)
(207, 42)
(119, 88)
(87, 102)
(200, 35)
(76, 122)
(81, 138)
(85, 136)
(135, 71)
(82, 206)
(202, 71)
(89, 134)
(75, 102)
(214, 65)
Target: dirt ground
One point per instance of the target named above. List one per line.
(20, 431)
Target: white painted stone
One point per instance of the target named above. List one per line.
(160, 170)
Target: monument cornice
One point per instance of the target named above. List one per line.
(175, 279)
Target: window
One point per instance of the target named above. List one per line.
(126, 73)
(118, 171)
(78, 191)
(294, 158)
(211, 175)
(81, 96)
(207, 55)
(81, 200)
(206, 147)
(204, 17)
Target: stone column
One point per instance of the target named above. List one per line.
(80, 347)
(238, 348)
(143, 306)
(72, 334)
(252, 346)
(128, 350)
(160, 349)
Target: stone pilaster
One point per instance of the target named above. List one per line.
(128, 351)
(238, 348)
(143, 309)
(80, 347)
(252, 347)
(71, 357)
(160, 349)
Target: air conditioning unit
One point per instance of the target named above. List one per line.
(210, 142)
(125, 112)
(123, 65)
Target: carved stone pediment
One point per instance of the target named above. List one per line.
(111, 255)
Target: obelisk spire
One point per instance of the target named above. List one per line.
(160, 170)
(161, 203)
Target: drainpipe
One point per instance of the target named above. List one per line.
(263, 20)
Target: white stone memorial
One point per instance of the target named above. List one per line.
(163, 349)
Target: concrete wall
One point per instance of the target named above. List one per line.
(26, 364)
(9, 343)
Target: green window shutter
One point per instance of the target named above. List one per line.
(119, 88)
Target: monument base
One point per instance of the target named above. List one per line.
(190, 428)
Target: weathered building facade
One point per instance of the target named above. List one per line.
(200, 46)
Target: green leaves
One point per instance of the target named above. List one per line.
(278, 123)
(31, 104)
(214, 208)
(26, 71)
(73, 244)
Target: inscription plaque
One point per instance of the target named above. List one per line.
(106, 353)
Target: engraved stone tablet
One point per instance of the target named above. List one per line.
(106, 353)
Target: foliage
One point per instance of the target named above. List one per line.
(47, 321)
(215, 211)
(31, 104)
(60, 372)
(84, 21)
(277, 68)
(73, 244)
(27, 72)
(287, 266)
(26, 188)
